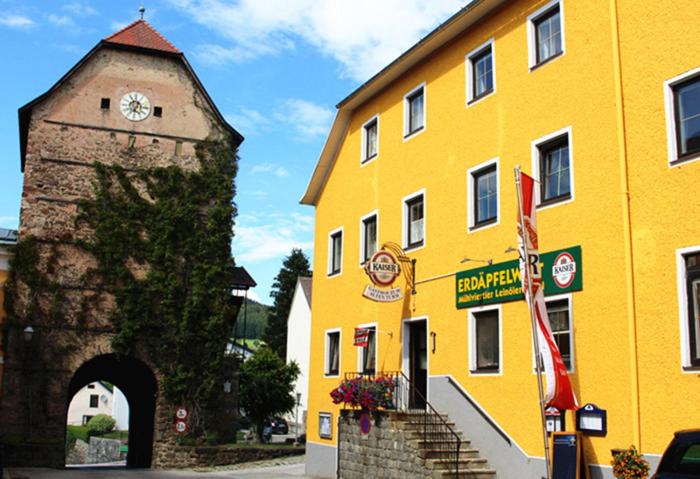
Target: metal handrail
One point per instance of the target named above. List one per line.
(432, 425)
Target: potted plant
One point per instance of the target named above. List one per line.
(629, 464)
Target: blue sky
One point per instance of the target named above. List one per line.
(275, 69)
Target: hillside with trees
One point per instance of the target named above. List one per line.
(256, 320)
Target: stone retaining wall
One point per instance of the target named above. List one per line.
(185, 457)
(384, 452)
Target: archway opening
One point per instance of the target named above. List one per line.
(139, 386)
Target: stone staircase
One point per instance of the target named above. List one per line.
(437, 449)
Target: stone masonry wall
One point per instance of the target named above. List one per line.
(186, 457)
(385, 452)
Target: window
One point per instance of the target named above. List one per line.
(559, 313)
(332, 353)
(368, 237)
(158, 111)
(480, 72)
(335, 252)
(104, 103)
(545, 34)
(692, 294)
(483, 194)
(93, 400)
(370, 139)
(553, 166)
(683, 116)
(178, 148)
(131, 141)
(369, 354)
(91, 386)
(414, 111)
(486, 342)
(414, 221)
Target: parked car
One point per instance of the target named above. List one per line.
(279, 425)
(682, 457)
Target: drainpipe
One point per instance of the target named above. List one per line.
(627, 219)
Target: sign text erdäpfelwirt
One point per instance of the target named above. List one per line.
(562, 271)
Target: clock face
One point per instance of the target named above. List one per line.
(135, 106)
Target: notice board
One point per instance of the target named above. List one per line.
(567, 456)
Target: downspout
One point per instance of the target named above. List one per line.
(627, 220)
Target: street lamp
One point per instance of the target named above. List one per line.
(296, 419)
(227, 386)
(28, 334)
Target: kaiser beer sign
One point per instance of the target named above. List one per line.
(562, 272)
(382, 269)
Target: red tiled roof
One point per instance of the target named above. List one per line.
(141, 34)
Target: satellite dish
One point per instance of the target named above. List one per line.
(103, 398)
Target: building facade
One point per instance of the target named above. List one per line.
(99, 398)
(133, 102)
(8, 238)
(599, 102)
(298, 347)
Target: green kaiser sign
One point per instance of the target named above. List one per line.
(562, 272)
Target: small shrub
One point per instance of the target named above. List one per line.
(101, 424)
(629, 464)
(71, 437)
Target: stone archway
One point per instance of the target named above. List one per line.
(138, 383)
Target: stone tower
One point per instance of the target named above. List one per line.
(132, 101)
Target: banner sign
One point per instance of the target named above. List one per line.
(562, 272)
(361, 337)
(382, 295)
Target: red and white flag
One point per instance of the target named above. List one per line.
(559, 393)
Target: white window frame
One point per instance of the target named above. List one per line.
(363, 153)
(569, 298)
(404, 220)
(671, 131)
(360, 351)
(686, 365)
(329, 270)
(472, 340)
(326, 350)
(407, 113)
(362, 234)
(535, 148)
(471, 187)
(532, 35)
(469, 67)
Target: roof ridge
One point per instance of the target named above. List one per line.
(121, 37)
(124, 29)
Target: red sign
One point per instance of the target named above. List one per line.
(181, 427)
(382, 268)
(181, 412)
(361, 337)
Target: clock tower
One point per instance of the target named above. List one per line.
(135, 102)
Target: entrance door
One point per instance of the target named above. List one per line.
(417, 364)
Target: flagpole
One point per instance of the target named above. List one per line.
(533, 319)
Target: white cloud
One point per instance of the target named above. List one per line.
(271, 236)
(61, 20)
(80, 9)
(16, 21)
(356, 34)
(248, 121)
(279, 171)
(308, 120)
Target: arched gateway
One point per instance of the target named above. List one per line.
(132, 103)
(138, 383)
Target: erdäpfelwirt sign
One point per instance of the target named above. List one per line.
(383, 269)
(562, 272)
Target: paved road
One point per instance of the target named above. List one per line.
(293, 469)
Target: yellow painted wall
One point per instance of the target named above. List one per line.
(576, 90)
(657, 44)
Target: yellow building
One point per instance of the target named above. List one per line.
(8, 238)
(600, 102)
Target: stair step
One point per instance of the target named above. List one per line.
(464, 464)
(430, 445)
(468, 474)
(443, 453)
(435, 435)
(418, 423)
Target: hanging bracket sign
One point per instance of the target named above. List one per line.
(382, 269)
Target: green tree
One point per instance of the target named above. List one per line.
(267, 386)
(295, 265)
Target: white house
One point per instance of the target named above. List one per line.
(99, 398)
(298, 339)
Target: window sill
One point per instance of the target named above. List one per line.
(554, 201)
(331, 375)
(688, 158)
(413, 247)
(369, 159)
(536, 66)
(477, 99)
(413, 133)
(691, 369)
(483, 224)
(334, 274)
(485, 372)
